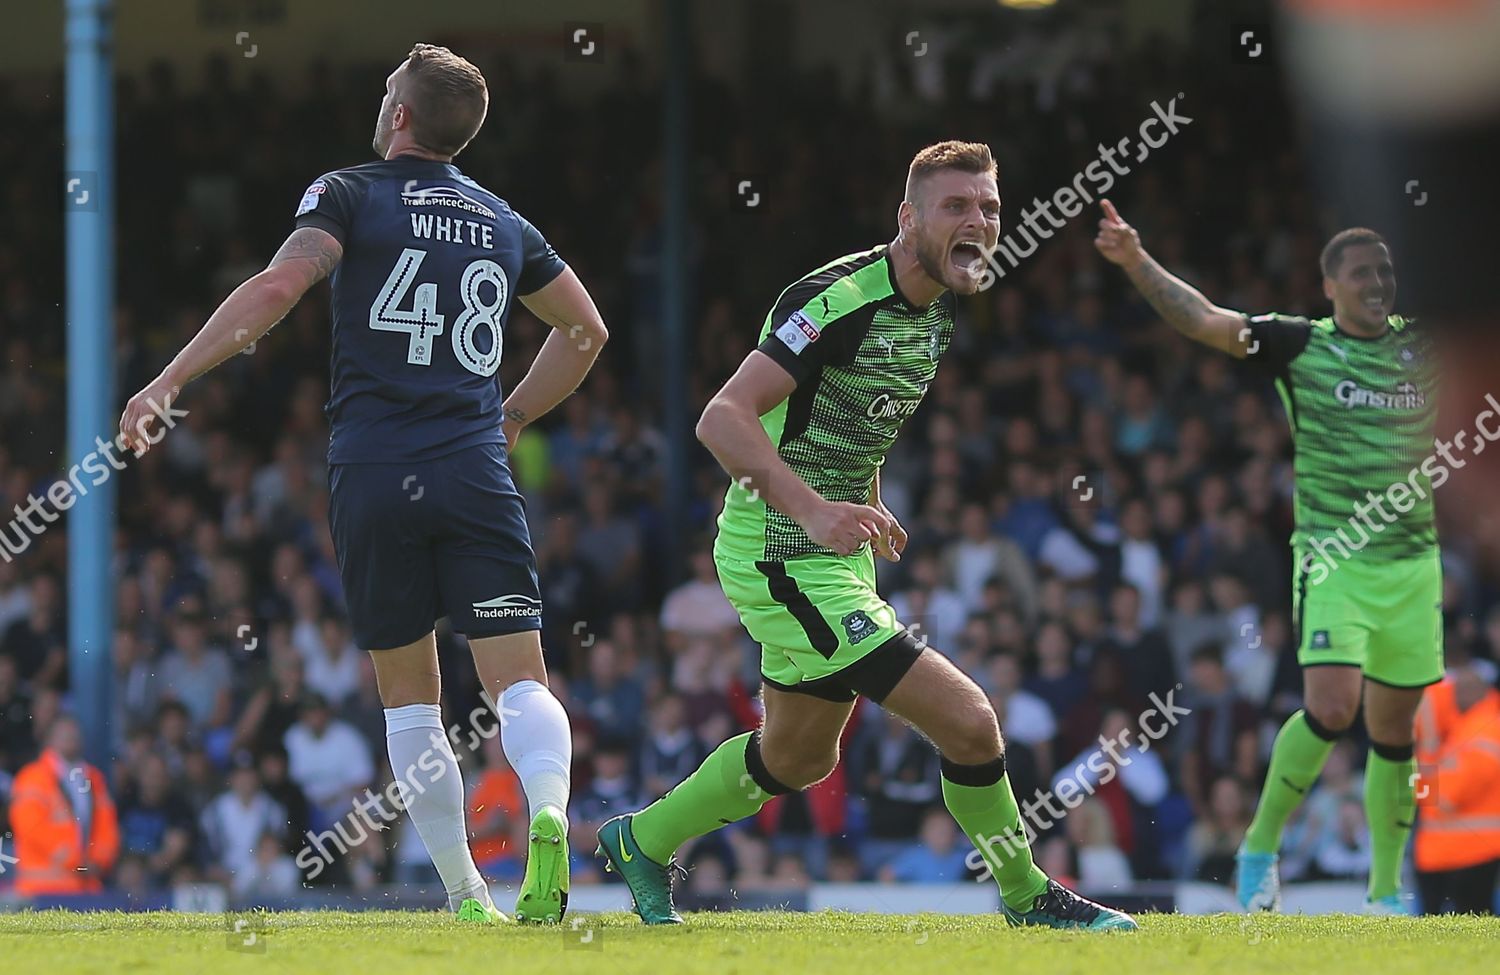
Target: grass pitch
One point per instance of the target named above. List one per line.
(738, 943)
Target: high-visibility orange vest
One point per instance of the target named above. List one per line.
(1458, 788)
(50, 845)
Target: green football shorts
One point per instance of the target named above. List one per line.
(818, 620)
(1384, 616)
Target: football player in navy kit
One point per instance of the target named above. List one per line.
(426, 265)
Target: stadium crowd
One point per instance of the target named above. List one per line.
(1098, 510)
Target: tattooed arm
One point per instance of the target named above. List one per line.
(307, 257)
(1182, 305)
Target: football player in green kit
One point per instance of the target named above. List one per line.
(1360, 395)
(843, 359)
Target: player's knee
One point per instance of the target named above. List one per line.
(1333, 712)
(798, 768)
(973, 738)
(402, 686)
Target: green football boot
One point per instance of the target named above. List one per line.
(1059, 907)
(650, 882)
(544, 890)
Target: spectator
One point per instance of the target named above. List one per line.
(612, 790)
(195, 674)
(1028, 719)
(36, 642)
(790, 872)
(1241, 617)
(1145, 652)
(1125, 772)
(671, 751)
(135, 687)
(174, 736)
(1220, 736)
(1253, 664)
(235, 821)
(1191, 623)
(271, 874)
(936, 857)
(67, 834)
(611, 546)
(1102, 865)
(938, 613)
(276, 781)
(978, 555)
(333, 662)
(1457, 847)
(610, 697)
(1141, 562)
(1213, 839)
(497, 812)
(273, 707)
(17, 745)
(698, 607)
(1343, 850)
(900, 782)
(1056, 681)
(156, 823)
(752, 861)
(328, 760)
(15, 598)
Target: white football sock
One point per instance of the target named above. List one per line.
(538, 743)
(432, 788)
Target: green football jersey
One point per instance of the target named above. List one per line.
(1362, 414)
(863, 358)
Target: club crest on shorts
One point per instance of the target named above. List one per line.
(858, 625)
(1320, 640)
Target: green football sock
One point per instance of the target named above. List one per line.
(1390, 805)
(1296, 759)
(720, 792)
(991, 819)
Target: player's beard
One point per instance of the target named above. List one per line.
(932, 257)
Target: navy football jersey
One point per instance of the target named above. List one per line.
(432, 264)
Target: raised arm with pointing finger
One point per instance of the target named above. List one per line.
(1181, 304)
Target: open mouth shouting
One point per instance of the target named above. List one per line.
(967, 257)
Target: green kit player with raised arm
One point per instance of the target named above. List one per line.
(1359, 390)
(803, 427)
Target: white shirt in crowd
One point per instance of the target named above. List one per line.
(941, 622)
(1028, 719)
(334, 677)
(1141, 565)
(698, 609)
(328, 768)
(1140, 772)
(234, 828)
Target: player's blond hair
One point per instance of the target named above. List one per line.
(447, 97)
(967, 157)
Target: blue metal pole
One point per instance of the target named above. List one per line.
(88, 203)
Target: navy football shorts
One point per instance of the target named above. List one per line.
(420, 540)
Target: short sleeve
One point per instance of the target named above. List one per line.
(1275, 340)
(328, 204)
(540, 264)
(826, 329)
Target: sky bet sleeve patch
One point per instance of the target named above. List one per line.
(797, 332)
(311, 197)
